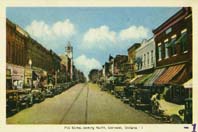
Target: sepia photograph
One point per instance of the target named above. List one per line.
(99, 65)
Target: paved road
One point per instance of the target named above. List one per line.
(81, 104)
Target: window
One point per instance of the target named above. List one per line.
(151, 56)
(148, 58)
(166, 50)
(168, 30)
(144, 59)
(183, 41)
(173, 47)
(159, 52)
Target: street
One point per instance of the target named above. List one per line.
(82, 104)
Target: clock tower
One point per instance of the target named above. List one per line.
(69, 54)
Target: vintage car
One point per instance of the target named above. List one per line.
(173, 113)
(140, 98)
(128, 91)
(18, 99)
(12, 102)
(48, 90)
(119, 85)
(48, 93)
(25, 98)
(58, 89)
(38, 95)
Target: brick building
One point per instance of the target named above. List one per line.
(25, 56)
(173, 41)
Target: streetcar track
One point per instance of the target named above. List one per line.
(70, 107)
(86, 108)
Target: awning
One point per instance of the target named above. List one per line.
(183, 76)
(169, 74)
(154, 76)
(142, 79)
(132, 80)
(188, 84)
(112, 78)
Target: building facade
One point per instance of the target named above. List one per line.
(174, 39)
(132, 58)
(27, 60)
(16, 39)
(174, 53)
(145, 57)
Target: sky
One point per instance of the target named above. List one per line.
(94, 32)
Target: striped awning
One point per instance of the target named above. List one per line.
(169, 74)
(142, 79)
(188, 84)
(132, 80)
(154, 76)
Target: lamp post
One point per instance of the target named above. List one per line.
(30, 63)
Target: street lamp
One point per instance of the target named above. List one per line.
(30, 63)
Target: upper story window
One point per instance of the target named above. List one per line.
(159, 51)
(166, 48)
(148, 58)
(152, 57)
(182, 40)
(144, 59)
(173, 46)
(168, 30)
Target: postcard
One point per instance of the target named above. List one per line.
(98, 66)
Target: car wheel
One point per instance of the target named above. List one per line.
(175, 119)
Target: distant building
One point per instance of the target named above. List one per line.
(69, 54)
(94, 75)
(132, 58)
(118, 64)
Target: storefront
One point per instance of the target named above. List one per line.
(172, 81)
(17, 76)
(28, 77)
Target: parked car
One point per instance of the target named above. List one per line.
(58, 89)
(176, 113)
(18, 99)
(141, 98)
(38, 95)
(48, 93)
(25, 98)
(12, 102)
(48, 90)
(128, 91)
